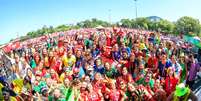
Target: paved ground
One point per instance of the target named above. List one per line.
(197, 88)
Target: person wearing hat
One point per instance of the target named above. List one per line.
(182, 93)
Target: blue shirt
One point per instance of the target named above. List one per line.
(95, 53)
(116, 55)
(78, 62)
(81, 72)
(161, 66)
(99, 69)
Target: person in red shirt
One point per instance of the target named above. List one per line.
(114, 93)
(152, 63)
(126, 76)
(98, 83)
(108, 39)
(83, 92)
(123, 89)
(132, 63)
(58, 65)
(52, 59)
(39, 67)
(94, 95)
(54, 75)
(106, 51)
(170, 81)
(61, 51)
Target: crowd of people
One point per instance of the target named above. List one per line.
(103, 65)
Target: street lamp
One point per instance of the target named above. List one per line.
(135, 8)
(109, 16)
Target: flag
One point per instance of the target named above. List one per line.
(16, 45)
(193, 40)
(7, 48)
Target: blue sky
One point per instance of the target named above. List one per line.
(17, 17)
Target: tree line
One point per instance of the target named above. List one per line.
(182, 25)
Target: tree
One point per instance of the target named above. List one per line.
(62, 28)
(87, 24)
(184, 24)
(141, 22)
(126, 23)
(188, 24)
(92, 23)
(51, 29)
(166, 26)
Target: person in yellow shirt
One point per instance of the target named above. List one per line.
(69, 60)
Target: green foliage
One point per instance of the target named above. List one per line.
(127, 23)
(141, 23)
(166, 26)
(184, 24)
(62, 28)
(145, 23)
(92, 23)
(188, 24)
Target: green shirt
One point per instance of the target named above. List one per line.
(32, 63)
(50, 98)
(48, 45)
(111, 73)
(183, 73)
(88, 42)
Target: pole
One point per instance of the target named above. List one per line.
(135, 9)
(109, 16)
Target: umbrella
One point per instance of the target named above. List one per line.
(99, 27)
